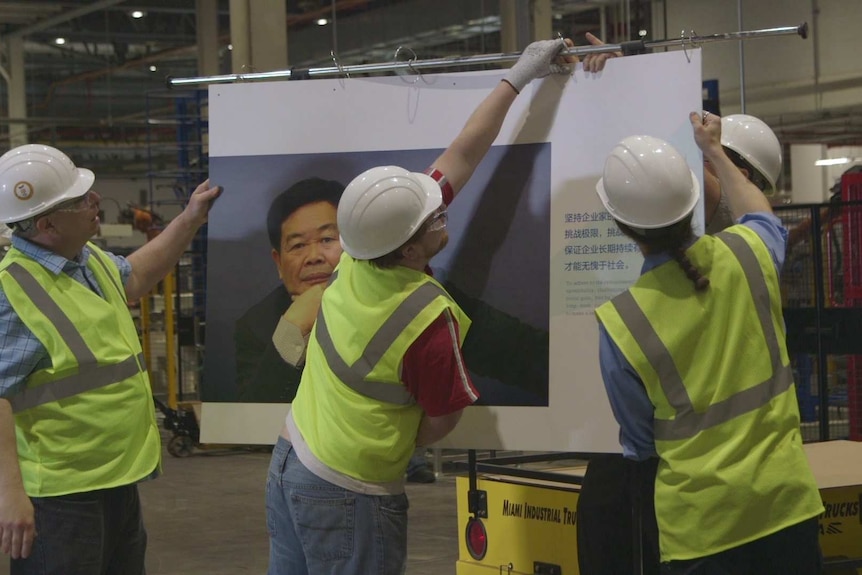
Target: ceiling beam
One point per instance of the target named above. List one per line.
(63, 17)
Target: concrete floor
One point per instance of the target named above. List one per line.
(205, 516)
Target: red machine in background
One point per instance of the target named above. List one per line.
(851, 223)
(145, 221)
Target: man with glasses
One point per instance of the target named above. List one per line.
(77, 423)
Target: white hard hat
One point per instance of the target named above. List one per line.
(382, 208)
(756, 143)
(35, 178)
(647, 184)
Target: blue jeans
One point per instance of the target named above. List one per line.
(318, 528)
(94, 533)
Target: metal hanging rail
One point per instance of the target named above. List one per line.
(414, 65)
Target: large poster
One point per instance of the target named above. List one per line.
(531, 253)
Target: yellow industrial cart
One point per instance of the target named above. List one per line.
(520, 521)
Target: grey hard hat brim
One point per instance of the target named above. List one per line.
(82, 185)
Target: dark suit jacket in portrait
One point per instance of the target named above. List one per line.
(262, 376)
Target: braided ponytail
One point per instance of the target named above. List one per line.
(700, 282)
(672, 239)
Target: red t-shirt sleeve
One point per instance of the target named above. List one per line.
(434, 372)
(445, 186)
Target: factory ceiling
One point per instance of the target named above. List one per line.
(95, 70)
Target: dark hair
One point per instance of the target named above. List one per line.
(673, 239)
(300, 194)
(392, 259)
(754, 175)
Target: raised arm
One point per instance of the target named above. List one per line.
(156, 258)
(742, 195)
(470, 146)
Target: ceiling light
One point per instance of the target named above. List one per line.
(832, 162)
(153, 68)
(558, 16)
(230, 46)
(59, 41)
(322, 22)
(138, 14)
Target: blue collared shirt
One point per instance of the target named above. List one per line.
(626, 392)
(21, 353)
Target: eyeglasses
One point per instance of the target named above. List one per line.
(80, 204)
(438, 220)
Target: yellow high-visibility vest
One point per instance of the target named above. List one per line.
(715, 366)
(352, 409)
(86, 422)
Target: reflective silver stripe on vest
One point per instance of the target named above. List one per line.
(687, 422)
(68, 332)
(655, 351)
(90, 374)
(87, 379)
(354, 376)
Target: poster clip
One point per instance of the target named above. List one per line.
(244, 69)
(337, 62)
(416, 73)
(692, 44)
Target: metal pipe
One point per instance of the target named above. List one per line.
(801, 30)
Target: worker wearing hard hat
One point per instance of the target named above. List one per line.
(750, 156)
(384, 370)
(752, 147)
(697, 371)
(77, 428)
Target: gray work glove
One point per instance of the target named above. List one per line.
(536, 61)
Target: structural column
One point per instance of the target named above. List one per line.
(206, 14)
(522, 22)
(258, 30)
(515, 28)
(17, 92)
(542, 20)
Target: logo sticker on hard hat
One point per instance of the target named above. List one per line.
(23, 190)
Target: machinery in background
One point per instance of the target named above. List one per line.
(822, 296)
(181, 417)
(145, 221)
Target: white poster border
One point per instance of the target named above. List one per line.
(583, 116)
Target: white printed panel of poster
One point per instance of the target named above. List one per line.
(531, 251)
